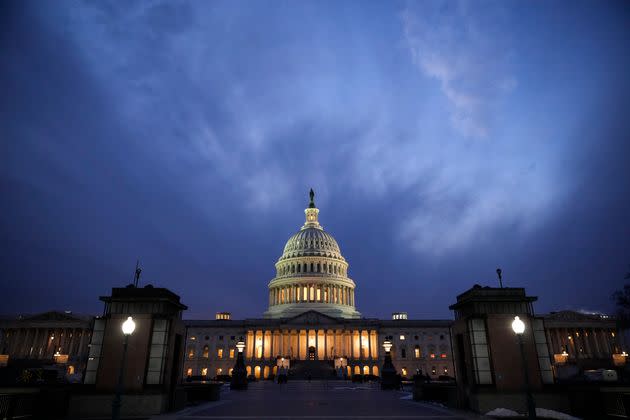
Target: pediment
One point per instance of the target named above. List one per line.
(312, 317)
(52, 316)
(571, 316)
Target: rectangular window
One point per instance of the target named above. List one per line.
(481, 357)
(402, 337)
(319, 294)
(231, 353)
(220, 353)
(417, 353)
(544, 358)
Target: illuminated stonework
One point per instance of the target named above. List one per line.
(311, 274)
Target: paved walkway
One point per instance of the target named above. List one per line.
(315, 400)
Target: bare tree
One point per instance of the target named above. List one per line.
(622, 300)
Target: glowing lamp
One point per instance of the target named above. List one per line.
(518, 326)
(564, 353)
(129, 326)
(240, 345)
(387, 345)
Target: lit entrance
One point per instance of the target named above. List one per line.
(311, 353)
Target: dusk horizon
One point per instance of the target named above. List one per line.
(442, 141)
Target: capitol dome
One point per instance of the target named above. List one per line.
(311, 274)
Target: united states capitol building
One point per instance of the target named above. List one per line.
(312, 325)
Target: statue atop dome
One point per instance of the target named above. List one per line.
(311, 205)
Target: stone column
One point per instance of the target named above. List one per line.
(81, 343)
(23, 343)
(351, 344)
(325, 345)
(595, 338)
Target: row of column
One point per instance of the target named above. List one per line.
(594, 343)
(320, 344)
(342, 295)
(42, 343)
(311, 268)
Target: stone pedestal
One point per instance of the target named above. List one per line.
(155, 349)
(486, 349)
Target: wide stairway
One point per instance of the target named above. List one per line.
(318, 369)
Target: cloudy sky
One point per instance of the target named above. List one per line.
(443, 140)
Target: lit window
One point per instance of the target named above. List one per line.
(443, 355)
(612, 333)
(193, 338)
(205, 352)
(403, 371)
(433, 370)
(220, 353)
(402, 337)
(70, 370)
(432, 356)
(189, 372)
(191, 353)
(231, 353)
(417, 352)
(230, 371)
(204, 371)
(445, 370)
(219, 371)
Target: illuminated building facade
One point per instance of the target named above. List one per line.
(53, 338)
(312, 325)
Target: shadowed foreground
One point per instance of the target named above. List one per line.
(315, 400)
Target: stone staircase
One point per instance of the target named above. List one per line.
(318, 369)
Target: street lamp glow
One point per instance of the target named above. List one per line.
(240, 346)
(387, 345)
(128, 326)
(518, 326)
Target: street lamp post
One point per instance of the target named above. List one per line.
(388, 372)
(519, 328)
(128, 328)
(239, 374)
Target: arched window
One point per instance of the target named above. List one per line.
(319, 267)
(335, 269)
(311, 267)
(357, 370)
(266, 372)
(249, 370)
(299, 268)
(191, 352)
(304, 268)
(417, 353)
(366, 370)
(375, 370)
(189, 372)
(403, 353)
(205, 352)
(293, 268)
(257, 372)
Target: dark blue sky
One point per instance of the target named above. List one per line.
(443, 139)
